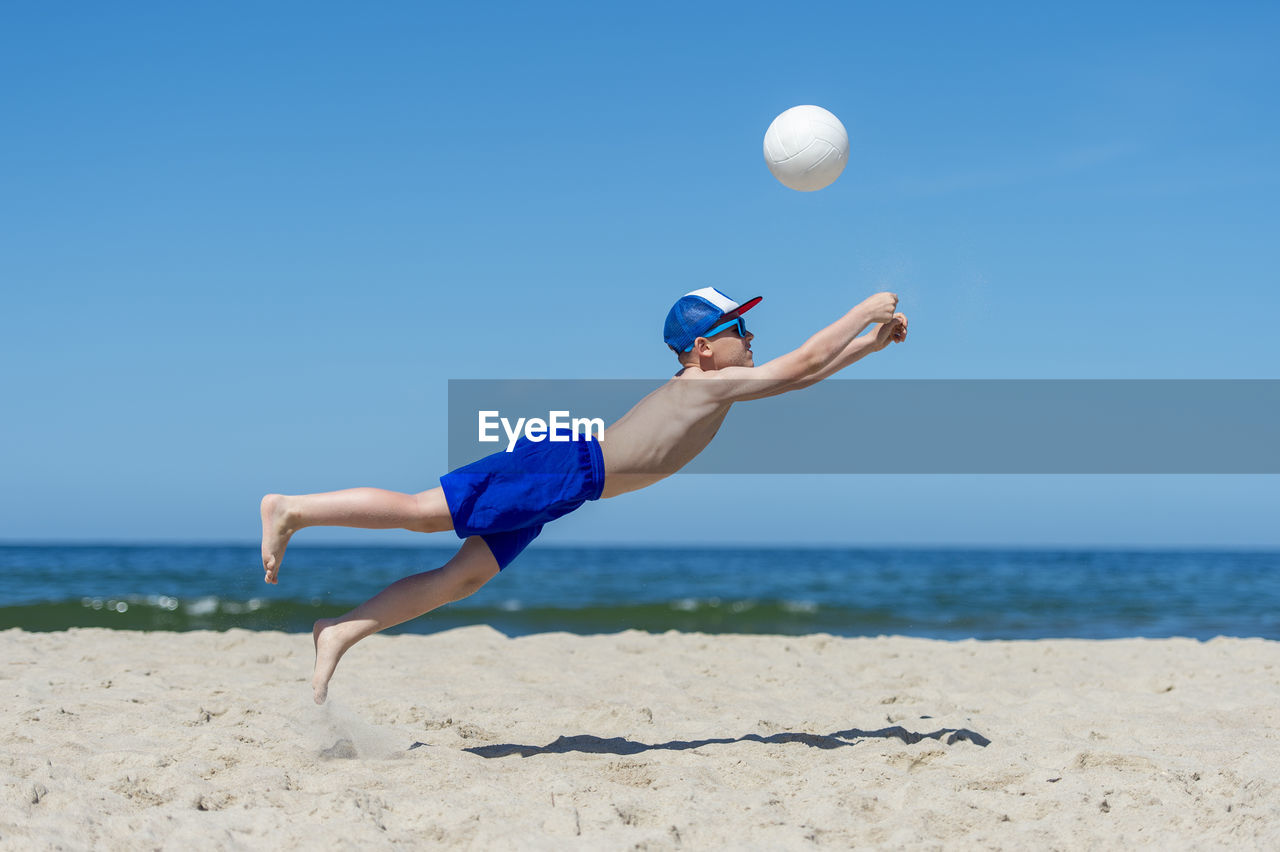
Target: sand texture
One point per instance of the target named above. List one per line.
(468, 739)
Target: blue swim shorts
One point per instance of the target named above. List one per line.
(505, 498)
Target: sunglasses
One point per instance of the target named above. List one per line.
(725, 326)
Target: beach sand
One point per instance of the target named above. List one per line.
(117, 739)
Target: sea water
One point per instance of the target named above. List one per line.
(937, 593)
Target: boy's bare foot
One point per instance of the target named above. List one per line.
(276, 529)
(331, 644)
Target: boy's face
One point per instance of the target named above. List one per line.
(730, 348)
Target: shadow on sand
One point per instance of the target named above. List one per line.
(588, 744)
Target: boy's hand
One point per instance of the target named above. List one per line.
(880, 307)
(893, 331)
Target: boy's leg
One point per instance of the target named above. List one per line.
(470, 568)
(367, 508)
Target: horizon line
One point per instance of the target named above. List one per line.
(676, 546)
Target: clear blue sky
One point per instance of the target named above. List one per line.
(243, 247)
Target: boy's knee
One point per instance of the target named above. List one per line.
(467, 585)
(465, 579)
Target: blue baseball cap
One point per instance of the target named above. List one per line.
(696, 313)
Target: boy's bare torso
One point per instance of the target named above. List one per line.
(662, 432)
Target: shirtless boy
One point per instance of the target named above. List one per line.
(498, 514)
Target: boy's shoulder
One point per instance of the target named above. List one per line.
(724, 374)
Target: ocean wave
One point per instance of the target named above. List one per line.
(512, 616)
(944, 594)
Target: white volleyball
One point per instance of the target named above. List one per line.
(806, 148)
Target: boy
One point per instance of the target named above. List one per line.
(500, 503)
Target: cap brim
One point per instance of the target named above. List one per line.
(747, 305)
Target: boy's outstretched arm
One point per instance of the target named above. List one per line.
(893, 331)
(784, 372)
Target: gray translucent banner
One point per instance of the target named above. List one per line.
(925, 426)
